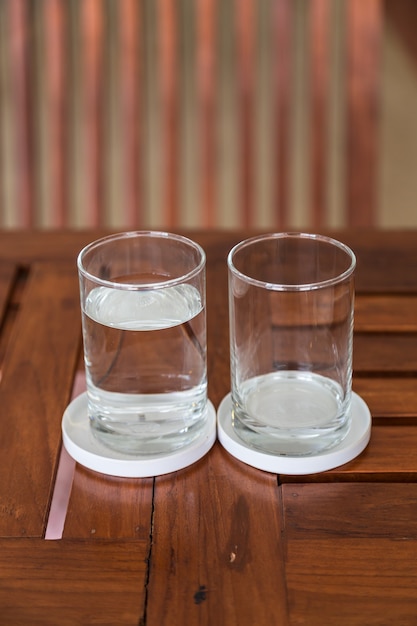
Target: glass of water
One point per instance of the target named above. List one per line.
(144, 331)
(291, 299)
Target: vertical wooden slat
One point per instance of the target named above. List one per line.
(96, 502)
(54, 15)
(91, 16)
(131, 80)
(319, 31)
(245, 14)
(282, 28)
(364, 33)
(206, 86)
(212, 562)
(19, 60)
(8, 275)
(403, 17)
(4, 109)
(167, 25)
(33, 366)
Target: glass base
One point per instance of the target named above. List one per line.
(82, 446)
(291, 413)
(352, 445)
(145, 445)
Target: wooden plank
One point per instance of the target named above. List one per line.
(352, 582)
(384, 266)
(391, 456)
(391, 451)
(104, 507)
(218, 360)
(378, 313)
(385, 353)
(337, 518)
(391, 400)
(5, 117)
(22, 247)
(45, 583)
(387, 260)
(212, 561)
(36, 385)
(7, 275)
(354, 510)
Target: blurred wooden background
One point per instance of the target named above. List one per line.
(164, 113)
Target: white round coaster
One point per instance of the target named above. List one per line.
(81, 444)
(353, 444)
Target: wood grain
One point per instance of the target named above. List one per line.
(212, 561)
(350, 553)
(34, 391)
(45, 583)
(7, 275)
(385, 353)
(391, 455)
(390, 399)
(219, 542)
(337, 510)
(352, 582)
(106, 507)
(386, 313)
(11, 279)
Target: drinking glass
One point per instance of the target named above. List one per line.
(291, 299)
(144, 333)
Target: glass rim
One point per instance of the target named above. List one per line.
(156, 234)
(328, 282)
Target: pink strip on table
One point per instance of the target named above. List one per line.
(64, 478)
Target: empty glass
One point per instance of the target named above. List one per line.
(291, 299)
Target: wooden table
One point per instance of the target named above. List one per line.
(219, 542)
